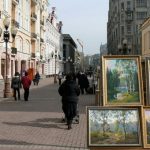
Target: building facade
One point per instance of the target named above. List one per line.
(124, 20)
(54, 45)
(69, 53)
(27, 51)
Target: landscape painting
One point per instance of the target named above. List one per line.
(114, 127)
(147, 128)
(122, 81)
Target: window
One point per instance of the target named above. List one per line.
(141, 3)
(27, 16)
(20, 13)
(141, 15)
(136, 28)
(122, 17)
(128, 5)
(122, 30)
(122, 6)
(129, 16)
(129, 29)
(27, 47)
(129, 39)
(19, 44)
(6, 4)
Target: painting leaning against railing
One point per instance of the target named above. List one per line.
(114, 127)
(122, 81)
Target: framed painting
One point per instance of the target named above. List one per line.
(146, 126)
(147, 75)
(122, 80)
(113, 126)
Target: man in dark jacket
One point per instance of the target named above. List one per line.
(69, 91)
(16, 85)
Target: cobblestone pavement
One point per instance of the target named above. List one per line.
(36, 124)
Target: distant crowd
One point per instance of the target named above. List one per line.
(86, 81)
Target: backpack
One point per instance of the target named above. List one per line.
(15, 83)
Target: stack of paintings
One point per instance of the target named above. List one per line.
(123, 120)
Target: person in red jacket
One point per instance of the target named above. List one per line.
(26, 82)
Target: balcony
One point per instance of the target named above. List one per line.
(33, 17)
(15, 23)
(33, 36)
(41, 7)
(35, 2)
(42, 23)
(41, 56)
(13, 50)
(129, 10)
(41, 40)
(32, 55)
(15, 2)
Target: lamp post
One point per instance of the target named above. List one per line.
(81, 44)
(69, 60)
(124, 49)
(6, 38)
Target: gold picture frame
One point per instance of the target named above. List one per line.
(114, 126)
(147, 72)
(122, 80)
(146, 126)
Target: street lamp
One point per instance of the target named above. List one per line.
(124, 49)
(81, 44)
(6, 37)
(67, 64)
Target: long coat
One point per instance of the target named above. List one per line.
(69, 91)
(83, 81)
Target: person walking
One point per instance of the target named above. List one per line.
(83, 82)
(16, 85)
(36, 78)
(60, 76)
(69, 91)
(26, 82)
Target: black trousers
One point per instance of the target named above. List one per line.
(26, 94)
(70, 111)
(82, 90)
(59, 81)
(17, 90)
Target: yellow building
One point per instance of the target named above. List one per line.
(27, 51)
(145, 30)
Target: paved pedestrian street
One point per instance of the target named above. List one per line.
(37, 124)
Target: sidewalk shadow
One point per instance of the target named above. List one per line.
(13, 142)
(41, 123)
(54, 120)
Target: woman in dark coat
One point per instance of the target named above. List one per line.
(69, 91)
(83, 82)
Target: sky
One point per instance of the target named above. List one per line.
(85, 20)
